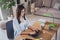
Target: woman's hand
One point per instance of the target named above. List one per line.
(32, 28)
(32, 32)
(26, 33)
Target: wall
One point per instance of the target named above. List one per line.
(55, 1)
(47, 3)
(3, 13)
(58, 0)
(1, 17)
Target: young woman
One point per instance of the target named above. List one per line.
(16, 26)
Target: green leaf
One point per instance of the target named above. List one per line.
(1, 0)
(8, 5)
(47, 14)
(4, 6)
(13, 3)
(52, 25)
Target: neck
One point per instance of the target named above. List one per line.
(20, 17)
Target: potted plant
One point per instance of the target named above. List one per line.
(51, 25)
(7, 5)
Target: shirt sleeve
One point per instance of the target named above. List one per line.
(27, 24)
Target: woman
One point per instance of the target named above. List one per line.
(20, 23)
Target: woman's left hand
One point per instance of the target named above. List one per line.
(32, 32)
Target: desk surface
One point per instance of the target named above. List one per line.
(47, 35)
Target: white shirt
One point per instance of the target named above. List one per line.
(18, 28)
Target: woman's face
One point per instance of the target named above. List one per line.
(22, 13)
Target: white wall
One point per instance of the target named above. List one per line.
(1, 16)
(22, 1)
(14, 10)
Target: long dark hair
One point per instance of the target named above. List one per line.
(18, 14)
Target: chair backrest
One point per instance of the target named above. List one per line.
(10, 30)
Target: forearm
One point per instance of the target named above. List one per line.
(33, 28)
(28, 37)
(25, 33)
(28, 31)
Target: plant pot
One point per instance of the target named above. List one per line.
(50, 28)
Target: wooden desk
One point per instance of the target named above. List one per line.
(46, 36)
(49, 33)
(20, 37)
